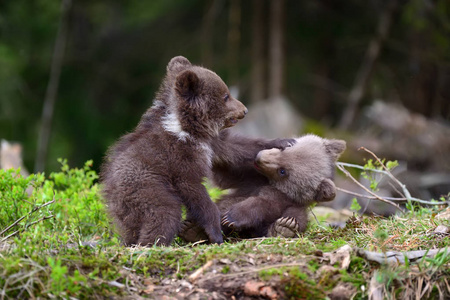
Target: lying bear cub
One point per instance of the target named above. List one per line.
(276, 202)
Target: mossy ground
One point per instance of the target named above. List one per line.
(66, 249)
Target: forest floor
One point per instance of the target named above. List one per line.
(56, 241)
(323, 263)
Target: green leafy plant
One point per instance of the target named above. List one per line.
(355, 205)
(373, 177)
(65, 207)
(58, 275)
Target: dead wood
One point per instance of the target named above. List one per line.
(396, 257)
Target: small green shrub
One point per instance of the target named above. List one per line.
(65, 207)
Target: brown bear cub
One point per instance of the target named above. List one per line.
(281, 184)
(298, 176)
(149, 174)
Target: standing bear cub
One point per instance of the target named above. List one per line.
(149, 174)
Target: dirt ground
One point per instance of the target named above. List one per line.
(254, 277)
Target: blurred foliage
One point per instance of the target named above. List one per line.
(117, 52)
(66, 202)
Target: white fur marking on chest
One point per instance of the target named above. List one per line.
(171, 124)
(207, 150)
(158, 104)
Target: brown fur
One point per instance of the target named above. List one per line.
(233, 168)
(261, 193)
(150, 173)
(297, 176)
(234, 158)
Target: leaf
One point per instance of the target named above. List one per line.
(355, 205)
(391, 164)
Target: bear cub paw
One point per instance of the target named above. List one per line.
(281, 143)
(191, 232)
(287, 227)
(235, 219)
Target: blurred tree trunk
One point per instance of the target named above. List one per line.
(257, 90)
(234, 41)
(323, 94)
(52, 88)
(209, 17)
(421, 93)
(441, 106)
(367, 66)
(322, 97)
(276, 49)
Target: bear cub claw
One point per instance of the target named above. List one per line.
(233, 219)
(287, 227)
(281, 143)
(226, 221)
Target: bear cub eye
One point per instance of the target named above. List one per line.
(282, 172)
(226, 97)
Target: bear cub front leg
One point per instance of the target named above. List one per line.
(254, 212)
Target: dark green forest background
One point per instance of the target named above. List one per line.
(113, 56)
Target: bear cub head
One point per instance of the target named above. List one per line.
(304, 172)
(199, 102)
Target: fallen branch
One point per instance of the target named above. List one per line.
(28, 225)
(396, 257)
(196, 274)
(27, 215)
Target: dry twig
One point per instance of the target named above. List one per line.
(347, 173)
(196, 274)
(404, 189)
(23, 217)
(406, 195)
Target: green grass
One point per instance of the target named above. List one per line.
(44, 254)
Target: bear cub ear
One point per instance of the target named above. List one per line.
(335, 147)
(326, 191)
(178, 64)
(188, 85)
